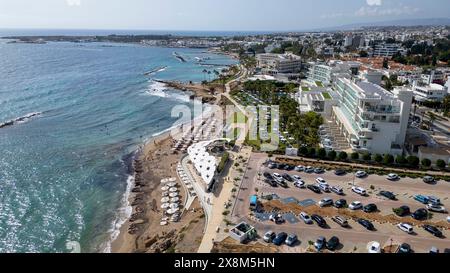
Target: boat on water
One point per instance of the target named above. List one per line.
(179, 57)
(156, 69)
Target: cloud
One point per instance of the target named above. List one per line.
(73, 3)
(374, 2)
(391, 11)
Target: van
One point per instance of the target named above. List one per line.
(434, 200)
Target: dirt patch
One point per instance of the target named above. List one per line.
(228, 245)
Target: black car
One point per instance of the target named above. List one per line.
(433, 230)
(403, 211)
(319, 220)
(268, 175)
(289, 168)
(272, 182)
(342, 203)
(288, 177)
(367, 224)
(370, 208)
(280, 239)
(319, 170)
(314, 188)
(281, 166)
(420, 214)
(340, 172)
(333, 243)
(389, 195)
(404, 248)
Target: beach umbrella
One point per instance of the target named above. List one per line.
(173, 184)
(173, 194)
(164, 223)
(164, 181)
(170, 211)
(175, 200)
(174, 206)
(173, 190)
(173, 179)
(165, 193)
(165, 188)
(165, 200)
(165, 206)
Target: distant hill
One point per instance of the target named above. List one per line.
(404, 22)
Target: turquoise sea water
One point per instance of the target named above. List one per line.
(63, 173)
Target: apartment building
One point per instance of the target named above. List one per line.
(328, 73)
(279, 63)
(371, 118)
(429, 92)
(386, 50)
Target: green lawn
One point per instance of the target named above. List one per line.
(326, 95)
(319, 84)
(305, 89)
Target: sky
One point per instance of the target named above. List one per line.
(211, 15)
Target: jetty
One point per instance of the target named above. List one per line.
(179, 57)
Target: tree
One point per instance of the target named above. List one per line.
(386, 63)
(363, 54)
(303, 151)
(413, 161)
(355, 156)
(401, 160)
(343, 156)
(312, 152)
(367, 156)
(378, 158)
(332, 155)
(321, 153)
(426, 162)
(388, 159)
(440, 164)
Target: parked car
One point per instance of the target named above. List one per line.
(337, 190)
(281, 166)
(324, 188)
(271, 182)
(359, 190)
(289, 167)
(393, 177)
(433, 230)
(309, 169)
(406, 228)
(355, 205)
(434, 250)
(366, 223)
(422, 199)
(341, 203)
(375, 247)
(287, 177)
(361, 174)
(404, 248)
(268, 175)
(269, 236)
(340, 221)
(420, 214)
(314, 189)
(389, 195)
(434, 200)
(320, 243)
(296, 178)
(277, 219)
(306, 218)
(429, 179)
(448, 219)
(325, 202)
(435, 208)
(291, 240)
(280, 239)
(403, 211)
(319, 170)
(370, 208)
(277, 177)
(272, 165)
(333, 243)
(319, 220)
(340, 172)
(299, 168)
(321, 181)
(300, 184)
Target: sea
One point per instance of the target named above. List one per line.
(79, 112)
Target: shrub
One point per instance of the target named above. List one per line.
(312, 152)
(343, 156)
(321, 153)
(367, 157)
(332, 155)
(401, 160)
(426, 162)
(355, 156)
(413, 161)
(388, 159)
(225, 213)
(440, 164)
(303, 151)
(223, 162)
(378, 158)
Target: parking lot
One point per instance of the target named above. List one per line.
(356, 238)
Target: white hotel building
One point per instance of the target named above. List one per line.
(371, 118)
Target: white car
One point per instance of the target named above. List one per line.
(448, 219)
(278, 177)
(361, 174)
(359, 190)
(355, 205)
(268, 237)
(296, 177)
(321, 181)
(406, 228)
(337, 190)
(374, 247)
(436, 208)
(306, 218)
(326, 202)
(324, 187)
(299, 168)
(309, 169)
(300, 184)
(393, 177)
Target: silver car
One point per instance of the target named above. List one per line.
(306, 218)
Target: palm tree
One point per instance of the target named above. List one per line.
(432, 119)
